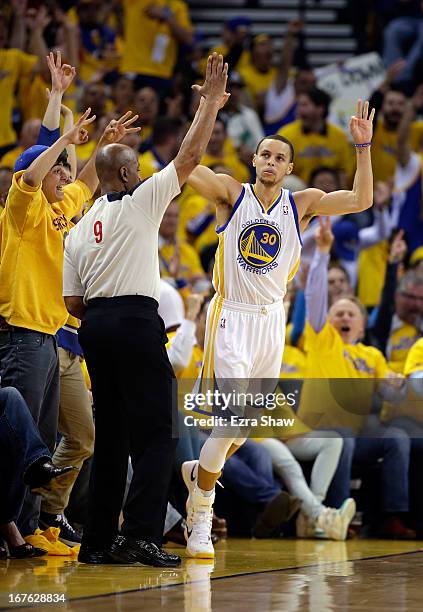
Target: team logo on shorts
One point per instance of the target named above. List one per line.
(259, 245)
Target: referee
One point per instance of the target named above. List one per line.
(112, 283)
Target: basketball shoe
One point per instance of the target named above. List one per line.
(199, 543)
(189, 471)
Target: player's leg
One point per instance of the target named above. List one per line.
(225, 359)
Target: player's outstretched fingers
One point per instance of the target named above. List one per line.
(219, 65)
(372, 114)
(366, 110)
(359, 109)
(209, 67)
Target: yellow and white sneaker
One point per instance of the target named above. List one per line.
(199, 544)
(335, 522)
(189, 470)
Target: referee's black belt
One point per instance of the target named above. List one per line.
(124, 301)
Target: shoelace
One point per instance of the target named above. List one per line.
(202, 524)
(329, 514)
(61, 518)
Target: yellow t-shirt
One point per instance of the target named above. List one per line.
(400, 342)
(257, 83)
(414, 361)
(32, 97)
(190, 265)
(326, 403)
(371, 273)
(385, 148)
(31, 254)
(149, 165)
(14, 65)
(149, 46)
(293, 363)
(314, 150)
(8, 160)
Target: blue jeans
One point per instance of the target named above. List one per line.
(392, 446)
(400, 34)
(249, 473)
(29, 362)
(189, 444)
(20, 447)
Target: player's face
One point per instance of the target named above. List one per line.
(53, 183)
(338, 284)
(347, 319)
(409, 303)
(272, 162)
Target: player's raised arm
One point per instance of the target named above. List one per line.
(315, 201)
(215, 187)
(213, 98)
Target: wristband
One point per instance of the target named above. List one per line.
(362, 145)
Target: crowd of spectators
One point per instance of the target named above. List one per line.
(358, 293)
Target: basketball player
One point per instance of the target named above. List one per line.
(258, 253)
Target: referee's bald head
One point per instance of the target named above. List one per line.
(117, 167)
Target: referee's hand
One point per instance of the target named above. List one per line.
(214, 85)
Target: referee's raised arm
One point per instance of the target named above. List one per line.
(213, 98)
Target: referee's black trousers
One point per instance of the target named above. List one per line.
(123, 340)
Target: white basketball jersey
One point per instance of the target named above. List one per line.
(259, 251)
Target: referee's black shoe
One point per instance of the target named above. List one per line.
(129, 550)
(93, 555)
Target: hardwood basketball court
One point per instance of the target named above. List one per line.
(255, 575)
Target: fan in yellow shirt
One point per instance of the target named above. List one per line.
(385, 137)
(166, 140)
(178, 259)
(220, 151)
(15, 64)
(152, 33)
(316, 141)
(414, 361)
(259, 73)
(235, 31)
(28, 138)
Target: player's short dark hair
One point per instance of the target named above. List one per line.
(164, 128)
(319, 98)
(280, 139)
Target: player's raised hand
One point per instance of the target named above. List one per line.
(119, 128)
(61, 76)
(214, 86)
(323, 236)
(361, 124)
(78, 135)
